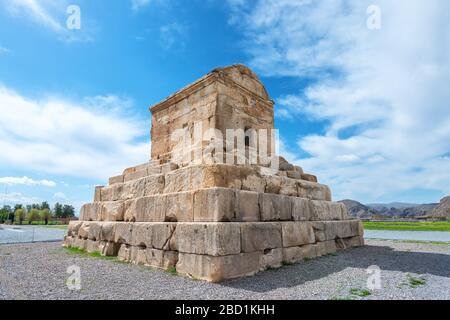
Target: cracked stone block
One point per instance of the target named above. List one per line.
(214, 205)
(260, 236)
(274, 207)
(214, 239)
(297, 233)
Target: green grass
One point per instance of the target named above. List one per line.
(57, 227)
(414, 282)
(408, 226)
(84, 253)
(437, 243)
(172, 271)
(360, 292)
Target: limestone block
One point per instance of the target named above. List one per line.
(298, 169)
(97, 193)
(163, 236)
(161, 258)
(112, 193)
(319, 230)
(116, 180)
(308, 177)
(294, 254)
(80, 243)
(253, 183)
(108, 249)
(273, 184)
(141, 235)
(151, 209)
(297, 233)
(349, 242)
(260, 236)
(94, 230)
(275, 207)
(91, 212)
(248, 206)
(124, 253)
(92, 246)
(135, 175)
(68, 241)
(337, 229)
(107, 231)
(214, 239)
(168, 167)
(325, 210)
(301, 209)
(294, 174)
(215, 269)
(314, 191)
(112, 211)
(130, 210)
(83, 231)
(73, 227)
(288, 187)
(123, 232)
(357, 228)
(284, 165)
(180, 207)
(214, 205)
(325, 247)
(272, 258)
(182, 179)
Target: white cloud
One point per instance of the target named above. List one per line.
(60, 196)
(136, 5)
(11, 181)
(51, 15)
(94, 138)
(17, 197)
(173, 34)
(384, 93)
(4, 50)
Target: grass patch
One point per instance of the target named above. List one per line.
(172, 271)
(437, 243)
(414, 282)
(360, 292)
(83, 253)
(57, 227)
(408, 226)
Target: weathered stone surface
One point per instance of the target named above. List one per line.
(273, 184)
(79, 243)
(275, 207)
(260, 236)
(135, 175)
(122, 233)
(214, 205)
(151, 209)
(253, 183)
(288, 187)
(112, 211)
(308, 177)
(271, 258)
(294, 174)
(73, 227)
(180, 207)
(325, 210)
(295, 254)
(163, 236)
(301, 209)
(216, 269)
(116, 180)
(108, 249)
(107, 231)
(92, 246)
(297, 233)
(314, 191)
(161, 258)
(98, 194)
(141, 235)
(91, 212)
(248, 206)
(214, 239)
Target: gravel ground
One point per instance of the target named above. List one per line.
(39, 271)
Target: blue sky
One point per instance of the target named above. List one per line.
(366, 110)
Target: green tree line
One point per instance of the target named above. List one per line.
(35, 213)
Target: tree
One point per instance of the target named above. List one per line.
(45, 205)
(19, 215)
(68, 211)
(45, 215)
(33, 215)
(6, 213)
(58, 210)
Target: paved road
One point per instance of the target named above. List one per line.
(21, 234)
(39, 271)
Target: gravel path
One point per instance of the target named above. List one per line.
(39, 271)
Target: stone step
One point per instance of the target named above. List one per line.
(214, 205)
(196, 177)
(215, 251)
(142, 171)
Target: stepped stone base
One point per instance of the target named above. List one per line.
(215, 251)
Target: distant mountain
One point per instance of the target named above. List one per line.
(442, 210)
(395, 210)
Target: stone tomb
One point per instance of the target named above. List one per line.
(213, 220)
